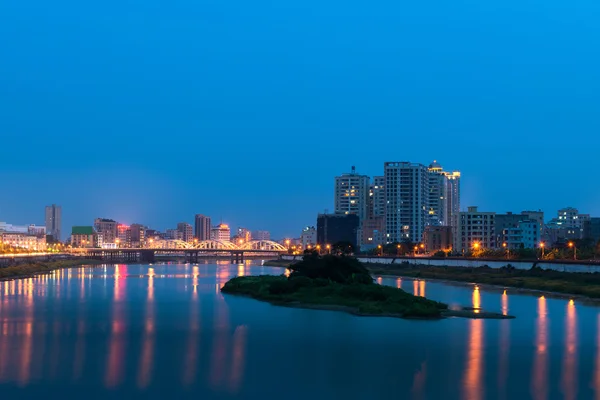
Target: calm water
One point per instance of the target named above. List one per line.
(145, 332)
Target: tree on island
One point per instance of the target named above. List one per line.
(340, 269)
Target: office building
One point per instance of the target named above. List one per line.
(261, 235)
(335, 228)
(474, 229)
(108, 228)
(437, 238)
(308, 237)
(352, 194)
(187, 232)
(54, 221)
(407, 201)
(220, 233)
(202, 227)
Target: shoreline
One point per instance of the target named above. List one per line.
(514, 289)
(500, 288)
(462, 313)
(33, 270)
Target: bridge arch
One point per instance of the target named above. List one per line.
(213, 245)
(262, 245)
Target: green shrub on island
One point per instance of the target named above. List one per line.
(333, 281)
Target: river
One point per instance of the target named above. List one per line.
(139, 331)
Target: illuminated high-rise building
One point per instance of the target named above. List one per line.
(444, 195)
(407, 201)
(221, 233)
(187, 232)
(352, 194)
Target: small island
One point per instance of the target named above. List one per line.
(341, 283)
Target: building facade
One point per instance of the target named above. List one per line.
(137, 237)
(474, 229)
(335, 228)
(372, 232)
(108, 228)
(202, 227)
(187, 232)
(23, 241)
(591, 229)
(407, 201)
(221, 233)
(437, 238)
(526, 235)
(308, 237)
(351, 194)
(261, 235)
(84, 237)
(54, 221)
(244, 235)
(444, 195)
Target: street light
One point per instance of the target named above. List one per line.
(507, 250)
(380, 250)
(542, 245)
(416, 248)
(318, 248)
(328, 249)
(398, 247)
(571, 244)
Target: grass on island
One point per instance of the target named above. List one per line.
(30, 269)
(574, 283)
(332, 281)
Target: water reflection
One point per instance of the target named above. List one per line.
(114, 366)
(476, 299)
(399, 283)
(504, 303)
(569, 369)
(473, 384)
(189, 372)
(540, 366)
(239, 358)
(147, 357)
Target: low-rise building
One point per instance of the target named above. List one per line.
(308, 237)
(474, 229)
(23, 241)
(437, 238)
(372, 233)
(84, 237)
(526, 235)
(221, 233)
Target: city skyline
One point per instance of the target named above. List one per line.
(276, 232)
(114, 128)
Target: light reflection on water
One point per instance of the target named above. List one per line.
(140, 327)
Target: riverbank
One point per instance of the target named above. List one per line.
(586, 285)
(24, 271)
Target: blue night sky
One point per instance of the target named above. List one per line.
(152, 111)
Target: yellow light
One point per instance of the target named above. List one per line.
(570, 244)
(328, 246)
(422, 245)
(378, 246)
(542, 244)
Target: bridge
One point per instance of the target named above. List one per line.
(190, 251)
